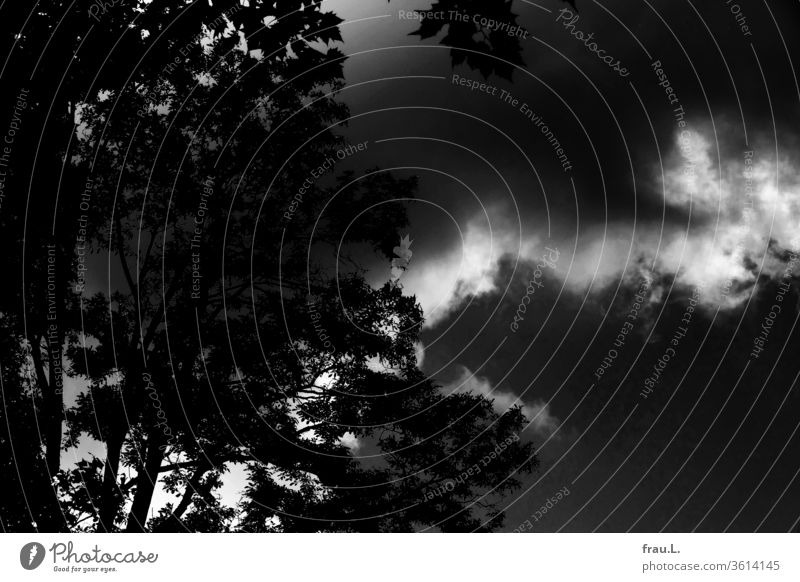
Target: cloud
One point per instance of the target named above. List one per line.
(419, 353)
(538, 413)
(351, 441)
(736, 214)
(442, 283)
(740, 212)
(730, 217)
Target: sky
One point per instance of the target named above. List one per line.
(602, 247)
(650, 265)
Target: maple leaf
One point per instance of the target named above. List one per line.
(402, 250)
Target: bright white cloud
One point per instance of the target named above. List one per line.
(538, 412)
(443, 282)
(738, 208)
(351, 441)
(739, 211)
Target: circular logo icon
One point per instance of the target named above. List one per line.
(31, 555)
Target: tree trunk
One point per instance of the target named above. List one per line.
(110, 495)
(174, 524)
(54, 415)
(52, 405)
(146, 482)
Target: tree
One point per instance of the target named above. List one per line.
(225, 337)
(485, 38)
(27, 502)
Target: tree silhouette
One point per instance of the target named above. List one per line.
(28, 502)
(230, 331)
(485, 36)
